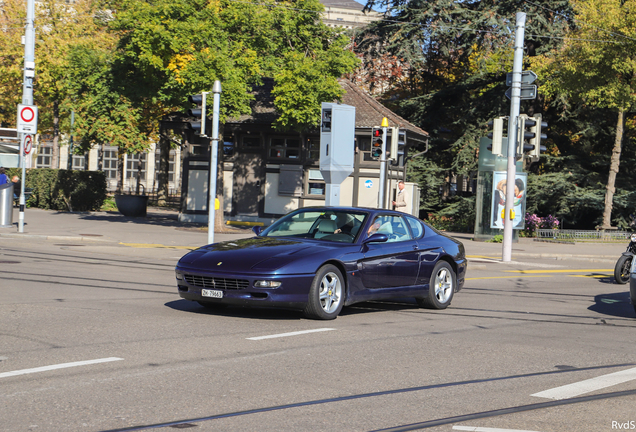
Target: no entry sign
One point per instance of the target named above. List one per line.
(28, 144)
(27, 119)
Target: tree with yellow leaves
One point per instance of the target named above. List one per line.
(597, 66)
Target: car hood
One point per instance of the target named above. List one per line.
(254, 254)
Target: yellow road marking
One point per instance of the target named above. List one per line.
(598, 276)
(155, 245)
(506, 277)
(560, 271)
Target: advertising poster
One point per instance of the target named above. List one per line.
(499, 200)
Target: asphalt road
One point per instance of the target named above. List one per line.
(94, 337)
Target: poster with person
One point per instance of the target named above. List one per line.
(499, 180)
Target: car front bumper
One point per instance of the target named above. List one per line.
(239, 289)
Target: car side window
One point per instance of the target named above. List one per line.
(394, 227)
(416, 227)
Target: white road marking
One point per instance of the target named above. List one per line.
(58, 366)
(590, 385)
(481, 429)
(280, 335)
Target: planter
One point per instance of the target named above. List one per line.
(132, 205)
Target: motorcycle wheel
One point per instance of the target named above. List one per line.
(621, 271)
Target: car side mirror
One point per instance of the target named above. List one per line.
(376, 238)
(257, 230)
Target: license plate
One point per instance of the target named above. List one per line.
(212, 293)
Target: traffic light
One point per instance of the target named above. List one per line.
(535, 153)
(496, 135)
(376, 143)
(198, 126)
(398, 146)
(530, 128)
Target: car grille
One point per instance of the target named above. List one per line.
(216, 282)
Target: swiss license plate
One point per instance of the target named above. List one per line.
(212, 293)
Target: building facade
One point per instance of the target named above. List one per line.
(266, 173)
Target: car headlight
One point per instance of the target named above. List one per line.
(179, 275)
(266, 284)
(633, 237)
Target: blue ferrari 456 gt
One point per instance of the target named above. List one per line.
(319, 259)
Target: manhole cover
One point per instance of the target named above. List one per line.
(61, 244)
(9, 262)
(92, 235)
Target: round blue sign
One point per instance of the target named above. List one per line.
(368, 184)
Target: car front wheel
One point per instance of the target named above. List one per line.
(441, 287)
(326, 295)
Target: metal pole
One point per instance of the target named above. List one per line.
(213, 157)
(381, 197)
(27, 94)
(513, 135)
(70, 145)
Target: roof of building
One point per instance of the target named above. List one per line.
(369, 112)
(343, 4)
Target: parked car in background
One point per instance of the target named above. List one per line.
(319, 259)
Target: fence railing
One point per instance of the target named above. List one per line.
(582, 235)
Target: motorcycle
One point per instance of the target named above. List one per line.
(624, 263)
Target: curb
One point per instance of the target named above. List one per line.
(57, 238)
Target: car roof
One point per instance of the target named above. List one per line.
(354, 209)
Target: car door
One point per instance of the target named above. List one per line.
(429, 252)
(394, 263)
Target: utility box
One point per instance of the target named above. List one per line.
(6, 205)
(337, 147)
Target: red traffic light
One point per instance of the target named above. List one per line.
(377, 133)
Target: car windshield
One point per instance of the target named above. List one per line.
(322, 224)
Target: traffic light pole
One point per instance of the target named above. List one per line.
(216, 89)
(513, 134)
(381, 198)
(27, 95)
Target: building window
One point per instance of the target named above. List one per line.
(109, 162)
(79, 163)
(313, 146)
(285, 148)
(44, 157)
(136, 165)
(253, 142)
(170, 165)
(315, 183)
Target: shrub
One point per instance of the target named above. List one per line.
(457, 216)
(534, 222)
(55, 189)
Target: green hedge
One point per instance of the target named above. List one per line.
(56, 189)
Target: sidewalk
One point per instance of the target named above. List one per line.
(161, 228)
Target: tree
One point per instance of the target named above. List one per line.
(457, 55)
(104, 115)
(170, 49)
(59, 27)
(12, 18)
(596, 66)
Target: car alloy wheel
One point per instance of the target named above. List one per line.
(326, 295)
(441, 287)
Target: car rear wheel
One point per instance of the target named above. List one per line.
(326, 295)
(441, 287)
(621, 271)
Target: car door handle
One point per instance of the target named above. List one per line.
(416, 247)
